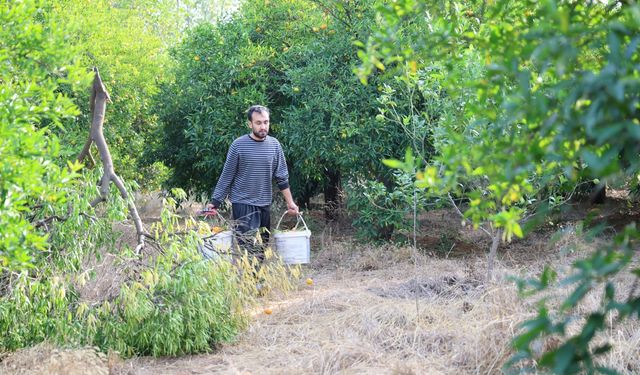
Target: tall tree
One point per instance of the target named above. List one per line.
(37, 63)
(297, 57)
(560, 97)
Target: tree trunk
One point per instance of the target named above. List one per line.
(99, 98)
(495, 242)
(332, 195)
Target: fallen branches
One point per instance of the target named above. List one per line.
(46, 221)
(98, 103)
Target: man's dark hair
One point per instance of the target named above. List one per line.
(256, 108)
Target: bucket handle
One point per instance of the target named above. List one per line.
(299, 217)
(225, 221)
(222, 218)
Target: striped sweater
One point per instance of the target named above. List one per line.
(249, 170)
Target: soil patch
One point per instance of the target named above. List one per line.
(450, 286)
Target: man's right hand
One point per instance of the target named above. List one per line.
(209, 210)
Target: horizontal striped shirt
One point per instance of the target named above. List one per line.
(249, 170)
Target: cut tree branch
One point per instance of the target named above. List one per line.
(99, 99)
(45, 222)
(86, 153)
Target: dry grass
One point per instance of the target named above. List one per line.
(394, 310)
(388, 310)
(46, 359)
(433, 318)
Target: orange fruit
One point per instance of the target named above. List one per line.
(309, 281)
(323, 26)
(268, 311)
(217, 229)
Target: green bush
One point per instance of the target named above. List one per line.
(128, 41)
(170, 303)
(379, 212)
(296, 57)
(181, 306)
(36, 62)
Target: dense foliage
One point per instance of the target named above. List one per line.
(559, 100)
(128, 42)
(52, 240)
(35, 63)
(297, 58)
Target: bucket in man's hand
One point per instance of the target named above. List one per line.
(216, 246)
(293, 245)
(219, 244)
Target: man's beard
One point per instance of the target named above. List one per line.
(261, 134)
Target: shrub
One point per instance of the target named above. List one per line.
(169, 302)
(380, 211)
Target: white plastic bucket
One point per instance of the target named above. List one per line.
(217, 245)
(293, 246)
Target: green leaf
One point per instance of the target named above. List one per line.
(517, 230)
(576, 296)
(602, 349)
(533, 328)
(548, 276)
(561, 359)
(393, 163)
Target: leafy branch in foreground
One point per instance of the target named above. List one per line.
(597, 273)
(558, 102)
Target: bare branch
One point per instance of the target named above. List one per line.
(464, 219)
(99, 99)
(85, 149)
(46, 221)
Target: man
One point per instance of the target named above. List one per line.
(253, 161)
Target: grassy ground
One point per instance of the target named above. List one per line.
(380, 310)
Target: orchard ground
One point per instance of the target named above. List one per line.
(387, 309)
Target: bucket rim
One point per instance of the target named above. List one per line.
(219, 235)
(296, 233)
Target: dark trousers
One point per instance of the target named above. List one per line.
(250, 220)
